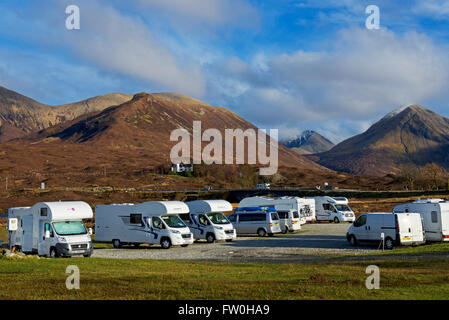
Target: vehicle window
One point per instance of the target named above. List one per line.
(173, 221)
(361, 221)
(333, 209)
(326, 206)
(343, 207)
(186, 217)
(68, 228)
(275, 216)
(434, 216)
(233, 218)
(157, 223)
(250, 217)
(217, 218)
(203, 220)
(135, 218)
(44, 212)
(295, 214)
(283, 214)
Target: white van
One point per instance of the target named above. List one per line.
(398, 229)
(301, 210)
(333, 209)
(435, 215)
(154, 222)
(207, 221)
(52, 229)
(258, 220)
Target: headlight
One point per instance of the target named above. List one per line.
(62, 240)
(175, 231)
(219, 228)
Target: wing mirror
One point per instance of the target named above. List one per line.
(90, 231)
(47, 234)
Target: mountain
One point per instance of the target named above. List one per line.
(20, 115)
(411, 134)
(308, 142)
(140, 129)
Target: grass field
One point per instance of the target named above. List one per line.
(33, 278)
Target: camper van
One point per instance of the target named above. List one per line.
(292, 211)
(207, 221)
(333, 209)
(397, 229)
(258, 220)
(435, 215)
(51, 229)
(154, 222)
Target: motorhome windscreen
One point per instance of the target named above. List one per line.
(173, 221)
(217, 218)
(69, 228)
(342, 207)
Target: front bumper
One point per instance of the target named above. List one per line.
(179, 240)
(222, 235)
(70, 249)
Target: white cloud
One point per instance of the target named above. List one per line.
(363, 76)
(212, 12)
(437, 9)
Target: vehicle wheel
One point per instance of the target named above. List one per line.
(210, 238)
(353, 241)
(54, 253)
(228, 240)
(285, 230)
(116, 243)
(165, 243)
(184, 245)
(261, 232)
(389, 244)
(336, 220)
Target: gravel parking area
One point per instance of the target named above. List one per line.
(314, 242)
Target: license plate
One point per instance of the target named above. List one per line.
(406, 238)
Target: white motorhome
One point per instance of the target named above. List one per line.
(435, 215)
(154, 222)
(333, 209)
(291, 210)
(51, 229)
(207, 221)
(397, 229)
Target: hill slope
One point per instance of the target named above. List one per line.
(411, 134)
(20, 115)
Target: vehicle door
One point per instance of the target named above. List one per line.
(45, 243)
(359, 228)
(325, 213)
(234, 220)
(157, 230)
(203, 225)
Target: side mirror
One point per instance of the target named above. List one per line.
(47, 234)
(90, 231)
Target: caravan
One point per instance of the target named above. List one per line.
(435, 215)
(207, 221)
(154, 222)
(51, 229)
(333, 209)
(395, 229)
(292, 211)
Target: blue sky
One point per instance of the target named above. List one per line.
(292, 64)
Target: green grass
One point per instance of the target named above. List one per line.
(33, 278)
(426, 248)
